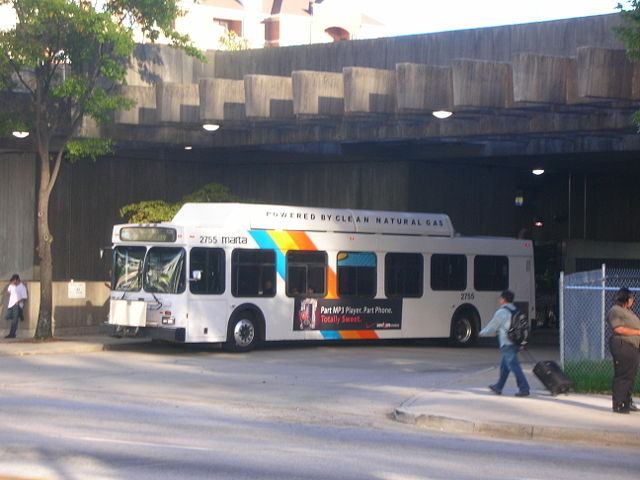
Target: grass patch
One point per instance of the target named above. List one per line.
(593, 376)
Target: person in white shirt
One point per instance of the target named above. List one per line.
(17, 296)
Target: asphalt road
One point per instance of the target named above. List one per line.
(286, 412)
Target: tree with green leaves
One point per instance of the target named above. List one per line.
(65, 57)
(155, 211)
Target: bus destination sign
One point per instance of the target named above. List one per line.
(148, 234)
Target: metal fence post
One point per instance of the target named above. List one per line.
(561, 315)
(602, 307)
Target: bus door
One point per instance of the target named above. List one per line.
(207, 308)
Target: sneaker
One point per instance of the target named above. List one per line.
(522, 393)
(9, 336)
(495, 390)
(632, 407)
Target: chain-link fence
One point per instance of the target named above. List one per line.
(585, 298)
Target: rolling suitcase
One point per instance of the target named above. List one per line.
(552, 377)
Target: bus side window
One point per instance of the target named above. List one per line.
(357, 274)
(209, 262)
(403, 274)
(253, 273)
(490, 273)
(448, 272)
(306, 273)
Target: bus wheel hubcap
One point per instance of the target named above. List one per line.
(463, 330)
(243, 332)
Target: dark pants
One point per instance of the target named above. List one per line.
(626, 358)
(509, 363)
(14, 314)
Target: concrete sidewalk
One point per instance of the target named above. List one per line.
(464, 406)
(64, 345)
(468, 406)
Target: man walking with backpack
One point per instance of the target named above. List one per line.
(500, 324)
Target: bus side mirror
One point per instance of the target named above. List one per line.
(196, 276)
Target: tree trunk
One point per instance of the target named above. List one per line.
(44, 328)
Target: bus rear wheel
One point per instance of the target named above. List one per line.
(242, 335)
(463, 330)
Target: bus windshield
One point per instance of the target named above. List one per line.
(127, 268)
(164, 270)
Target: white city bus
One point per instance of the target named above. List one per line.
(243, 273)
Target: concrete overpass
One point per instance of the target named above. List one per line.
(350, 124)
(527, 89)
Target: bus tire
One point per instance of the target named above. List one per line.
(242, 334)
(464, 330)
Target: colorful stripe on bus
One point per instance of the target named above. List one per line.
(282, 242)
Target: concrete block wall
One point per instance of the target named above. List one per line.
(566, 62)
(466, 85)
(71, 316)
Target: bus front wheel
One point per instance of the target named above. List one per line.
(243, 334)
(463, 330)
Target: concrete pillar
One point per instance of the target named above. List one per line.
(143, 112)
(153, 63)
(540, 78)
(423, 87)
(603, 73)
(221, 99)
(635, 84)
(178, 103)
(18, 179)
(369, 90)
(268, 97)
(317, 93)
(479, 84)
(89, 128)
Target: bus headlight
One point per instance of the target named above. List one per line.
(168, 321)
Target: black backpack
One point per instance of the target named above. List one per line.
(518, 331)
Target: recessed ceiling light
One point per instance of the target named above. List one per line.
(442, 114)
(211, 127)
(188, 147)
(537, 171)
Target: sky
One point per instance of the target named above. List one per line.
(405, 17)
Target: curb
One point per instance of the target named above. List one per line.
(26, 351)
(21, 349)
(517, 431)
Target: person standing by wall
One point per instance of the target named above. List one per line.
(15, 308)
(499, 325)
(625, 350)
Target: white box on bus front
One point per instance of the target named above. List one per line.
(131, 313)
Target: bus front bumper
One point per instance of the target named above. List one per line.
(155, 333)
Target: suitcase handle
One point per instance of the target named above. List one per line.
(531, 357)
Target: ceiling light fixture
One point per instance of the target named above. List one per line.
(20, 134)
(537, 171)
(442, 114)
(211, 127)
